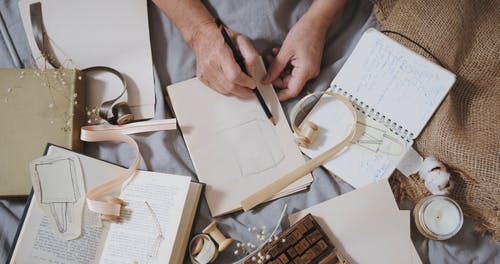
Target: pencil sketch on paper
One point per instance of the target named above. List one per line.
(254, 145)
(58, 187)
(378, 140)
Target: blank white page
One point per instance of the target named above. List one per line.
(395, 81)
(111, 33)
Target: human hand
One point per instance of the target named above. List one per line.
(215, 63)
(299, 58)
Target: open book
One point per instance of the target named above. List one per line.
(155, 225)
(396, 92)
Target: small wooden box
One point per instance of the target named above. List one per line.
(36, 107)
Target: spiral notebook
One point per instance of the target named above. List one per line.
(396, 92)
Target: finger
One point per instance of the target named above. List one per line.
(276, 67)
(232, 88)
(275, 51)
(279, 83)
(240, 91)
(269, 59)
(295, 84)
(282, 82)
(233, 73)
(249, 53)
(285, 94)
(286, 80)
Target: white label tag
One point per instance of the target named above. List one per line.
(410, 163)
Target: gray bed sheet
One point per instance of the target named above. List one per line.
(266, 24)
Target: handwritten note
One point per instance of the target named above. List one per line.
(396, 90)
(372, 155)
(398, 83)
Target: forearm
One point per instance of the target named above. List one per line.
(324, 12)
(189, 16)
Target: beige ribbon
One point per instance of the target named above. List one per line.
(304, 136)
(110, 209)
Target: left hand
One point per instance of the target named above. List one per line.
(299, 58)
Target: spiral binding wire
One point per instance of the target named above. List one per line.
(372, 113)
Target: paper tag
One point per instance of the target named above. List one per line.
(410, 163)
(60, 192)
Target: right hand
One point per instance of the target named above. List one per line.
(216, 66)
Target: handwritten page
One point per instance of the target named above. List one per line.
(401, 86)
(371, 156)
(148, 230)
(398, 83)
(234, 147)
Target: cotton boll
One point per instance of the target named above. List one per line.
(435, 176)
(438, 182)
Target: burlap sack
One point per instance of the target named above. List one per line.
(464, 132)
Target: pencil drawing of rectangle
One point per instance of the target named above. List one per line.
(50, 182)
(251, 145)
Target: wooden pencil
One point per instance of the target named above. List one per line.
(240, 60)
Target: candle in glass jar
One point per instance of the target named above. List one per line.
(438, 217)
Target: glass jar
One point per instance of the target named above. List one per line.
(438, 217)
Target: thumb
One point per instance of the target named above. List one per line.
(276, 67)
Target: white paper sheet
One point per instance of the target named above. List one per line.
(235, 150)
(111, 33)
(60, 192)
(366, 224)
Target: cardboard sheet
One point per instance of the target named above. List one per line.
(109, 33)
(234, 147)
(366, 224)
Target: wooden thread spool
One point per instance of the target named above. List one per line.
(217, 235)
(308, 132)
(202, 249)
(121, 111)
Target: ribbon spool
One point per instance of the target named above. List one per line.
(202, 249)
(308, 132)
(121, 113)
(112, 200)
(217, 235)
